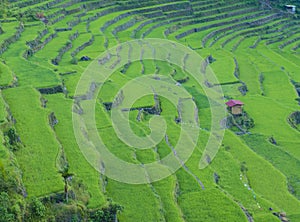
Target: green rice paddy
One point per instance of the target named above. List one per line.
(253, 175)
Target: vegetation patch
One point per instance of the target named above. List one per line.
(294, 119)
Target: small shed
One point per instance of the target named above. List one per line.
(290, 8)
(235, 106)
(85, 58)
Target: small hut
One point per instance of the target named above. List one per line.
(290, 8)
(85, 58)
(235, 106)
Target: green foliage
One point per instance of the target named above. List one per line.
(4, 8)
(74, 61)
(12, 139)
(106, 214)
(37, 208)
(244, 168)
(66, 176)
(282, 3)
(243, 121)
(294, 119)
(29, 15)
(5, 211)
(62, 212)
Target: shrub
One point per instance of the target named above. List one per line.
(37, 208)
(74, 61)
(6, 215)
(12, 140)
(294, 119)
(107, 214)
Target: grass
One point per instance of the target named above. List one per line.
(260, 174)
(223, 59)
(166, 189)
(209, 201)
(278, 157)
(5, 75)
(37, 158)
(62, 108)
(278, 118)
(272, 170)
(29, 73)
(9, 29)
(133, 198)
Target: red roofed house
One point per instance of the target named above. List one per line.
(235, 106)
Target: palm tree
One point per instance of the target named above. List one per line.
(66, 176)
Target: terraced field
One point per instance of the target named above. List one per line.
(253, 49)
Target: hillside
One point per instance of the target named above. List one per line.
(115, 110)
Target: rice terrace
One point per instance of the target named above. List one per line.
(150, 110)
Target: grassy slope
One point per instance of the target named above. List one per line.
(38, 157)
(29, 73)
(62, 108)
(193, 203)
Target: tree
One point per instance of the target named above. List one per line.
(74, 61)
(37, 208)
(107, 214)
(66, 176)
(3, 8)
(5, 204)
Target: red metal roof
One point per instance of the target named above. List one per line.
(232, 103)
